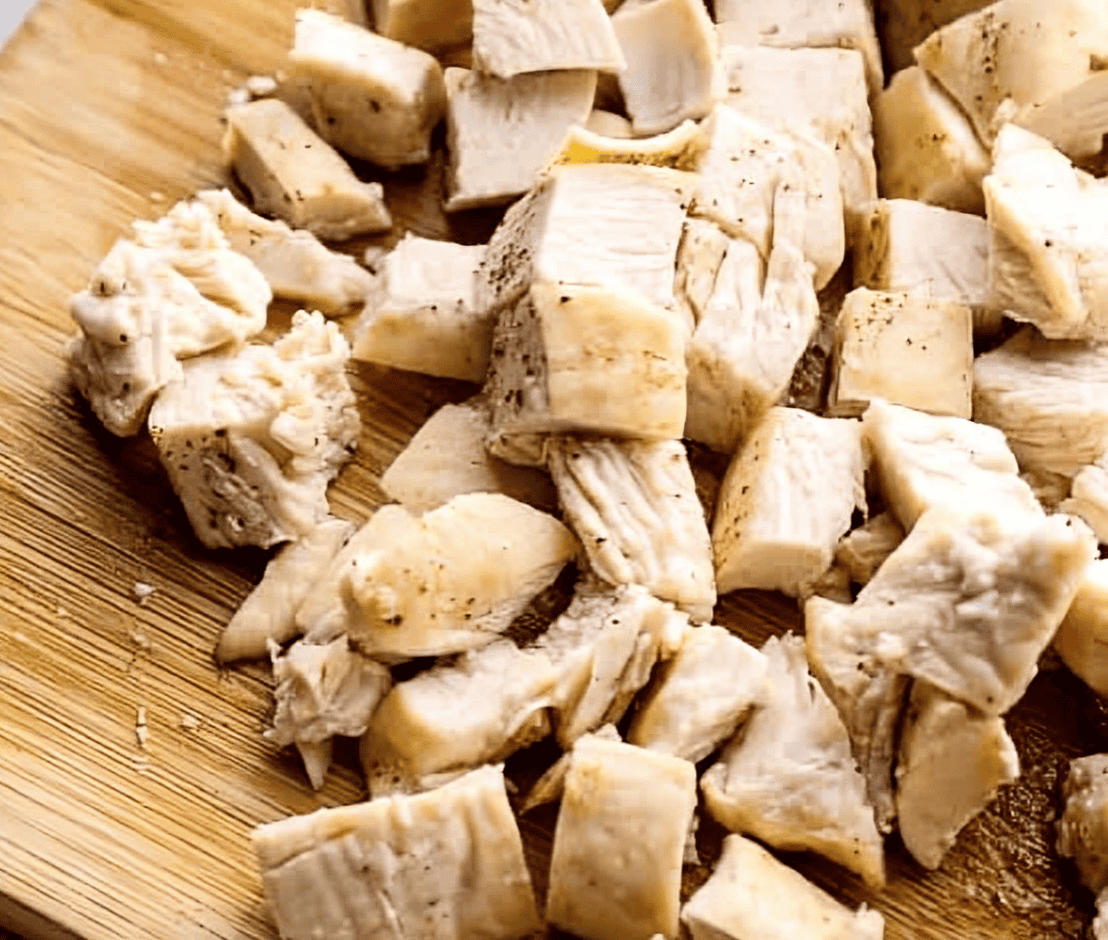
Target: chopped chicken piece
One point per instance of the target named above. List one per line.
(296, 265)
(603, 648)
(952, 760)
(752, 332)
(677, 149)
(904, 25)
(608, 124)
(788, 776)
(821, 92)
(702, 695)
(907, 348)
(753, 896)
(1049, 68)
(373, 98)
(925, 461)
(635, 215)
(176, 290)
(268, 615)
(699, 258)
(458, 715)
(1049, 397)
(551, 785)
(251, 438)
(292, 173)
(515, 36)
(424, 316)
(787, 499)
(804, 24)
(1049, 252)
(967, 602)
(1083, 828)
(464, 572)
(447, 864)
(633, 505)
(559, 352)
(501, 133)
(671, 51)
(447, 457)
(910, 246)
(866, 548)
(1088, 497)
(323, 691)
(925, 146)
(741, 167)
(435, 26)
(618, 800)
(1082, 638)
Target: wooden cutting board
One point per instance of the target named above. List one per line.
(109, 111)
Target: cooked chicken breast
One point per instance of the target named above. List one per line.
(436, 26)
(863, 550)
(1082, 637)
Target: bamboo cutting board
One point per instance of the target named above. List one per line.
(109, 111)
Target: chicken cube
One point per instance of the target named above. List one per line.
(435, 26)
(447, 457)
(1083, 828)
(804, 24)
(618, 799)
(788, 776)
(1043, 72)
(787, 499)
(323, 691)
(268, 615)
(515, 36)
(821, 92)
(753, 896)
(1088, 497)
(699, 258)
(635, 216)
(501, 133)
(925, 461)
(671, 75)
(424, 315)
(251, 438)
(1049, 397)
(925, 146)
(176, 290)
(702, 695)
(741, 166)
(1048, 254)
(552, 784)
(752, 333)
(458, 715)
(967, 603)
(604, 140)
(864, 550)
(292, 173)
(457, 578)
(296, 265)
(559, 352)
(1082, 638)
(608, 124)
(952, 761)
(603, 648)
(633, 505)
(447, 864)
(907, 348)
(373, 98)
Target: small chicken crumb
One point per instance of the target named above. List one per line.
(261, 86)
(142, 732)
(141, 640)
(143, 591)
(160, 58)
(190, 723)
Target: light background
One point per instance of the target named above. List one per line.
(11, 14)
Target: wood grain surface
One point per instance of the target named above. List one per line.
(109, 111)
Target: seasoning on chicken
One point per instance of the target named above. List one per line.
(372, 97)
(251, 438)
(788, 776)
(295, 175)
(620, 799)
(787, 499)
(447, 864)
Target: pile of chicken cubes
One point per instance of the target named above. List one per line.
(677, 191)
